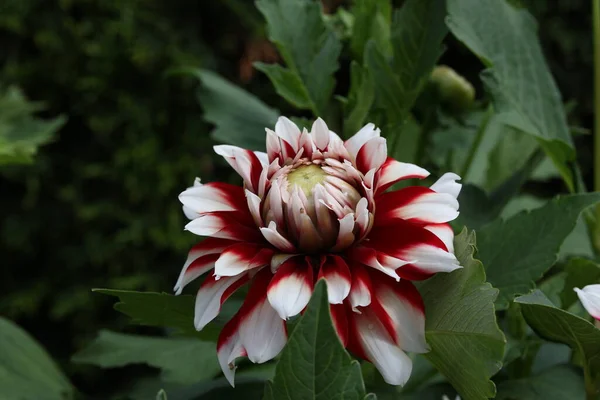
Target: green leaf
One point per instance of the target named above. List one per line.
(525, 95)
(181, 360)
(372, 21)
(467, 346)
(314, 364)
(161, 395)
(165, 310)
(21, 133)
(580, 272)
(418, 30)
(560, 326)
(310, 51)
(518, 251)
(26, 371)
(240, 118)
(558, 383)
(360, 99)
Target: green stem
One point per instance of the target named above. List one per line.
(477, 141)
(596, 19)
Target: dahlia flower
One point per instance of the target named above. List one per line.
(314, 206)
(590, 299)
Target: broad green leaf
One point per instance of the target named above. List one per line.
(162, 309)
(525, 95)
(310, 51)
(372, 21)
(360, 99)
(558, 383)
(518, 251)
(21, 133)
(560, 326)
(314, 364)
(239, 117)
(580, 272)
(26, 371)
(182, 360)
(418, 30)
(467, 346)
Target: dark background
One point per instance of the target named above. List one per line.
(99, 206)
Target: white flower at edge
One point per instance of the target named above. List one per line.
(590, 299)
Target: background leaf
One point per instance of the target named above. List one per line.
(467, 346)
(309, 49)
(26, 371)
(181, 360)
(558, 383)
(524, 93)
(314, 364)
(520, 250)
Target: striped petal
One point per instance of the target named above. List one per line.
(242, 257)
(361, 288)
(393, 171)
(223, 225)
(372, 155)
(291, 287)
(419, 204)
(212, 294)
(210, 197)
(244, 162)
(356, 142)
(229, 347)
(336, 273)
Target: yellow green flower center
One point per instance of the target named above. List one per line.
(306, 178)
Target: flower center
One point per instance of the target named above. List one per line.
(306, 177)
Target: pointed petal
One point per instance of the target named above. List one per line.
(345, 234)
(372, 155)
(276, 239)
(223, 225)
(374, 259)
(291, 287)
(379, 348)
(242, 257)
(320, 133)
(273, 146)
(288, 131)
(212, 294)
(447, 184)
(210, 197)
(366, 133)
(262, 331)
(402, 303)
(336, 273)
(196, 269)
(393, 171)
(444, 232)
(263, 158)
(590, 299)
(418, 204)
(229, 347)
(244, 162)
(361, 288)
(254, 206)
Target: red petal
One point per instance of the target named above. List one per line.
(340, 321)
(393, 171)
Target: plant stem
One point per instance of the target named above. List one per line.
(477, 141)
(596, 19)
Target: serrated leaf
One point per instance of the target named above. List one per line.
(418, 30)
(21, 133)
(558, 383)
(162, 309)
(308, 47)
(467, 346)
(181, 360)
(518, 251)
(560, 326)
(26, 371)
(314, 364)
(240, 118)
(525, 95)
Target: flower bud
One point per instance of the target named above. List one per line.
(454, 91)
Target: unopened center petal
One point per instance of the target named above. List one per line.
(306, 177)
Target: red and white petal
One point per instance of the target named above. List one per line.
(336, 273)
(262, 331)
(366, 133)
(291, 287)
(211, 197)
(340, 321)
(590, 299)
(447, 184)
(393, 171)
(223, 225)
(444, 232)
(419, 204)
(244, 162)
(288, 131)
(277, 239)
(428, 261)
(363, 217)
(206, 247)
(380, 348)
(402, 303)
(320, 134)
(361, 288)
(229, 347)
(196, 269)
(380, 261)
(212, 294)
(263, 158)
(242, 257)
(372, 155)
